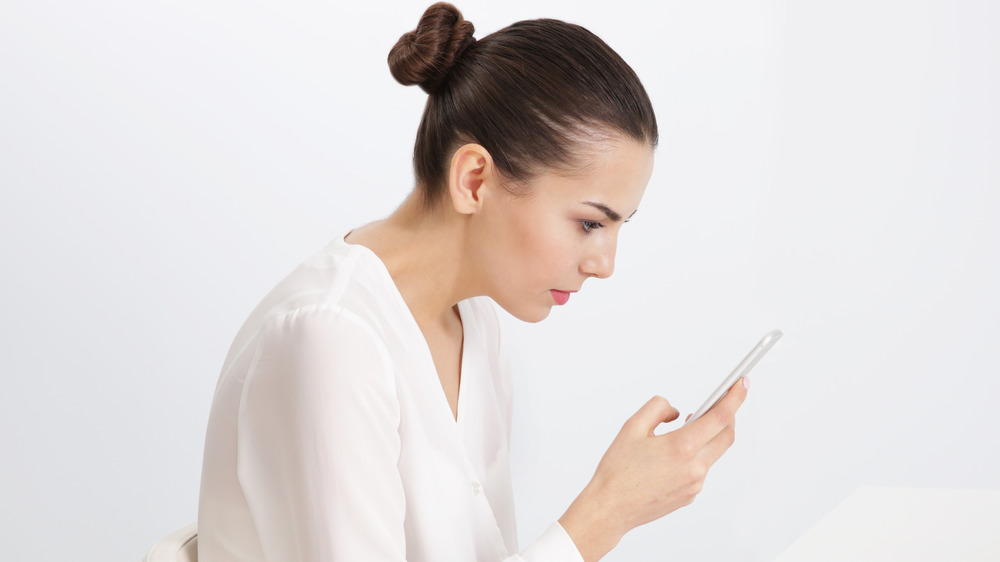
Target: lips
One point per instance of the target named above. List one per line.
(561, 297)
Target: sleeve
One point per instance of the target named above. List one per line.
(318, 441)
(555, 545)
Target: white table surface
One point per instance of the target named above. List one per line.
(911, 524)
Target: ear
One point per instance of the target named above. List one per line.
(471, 168)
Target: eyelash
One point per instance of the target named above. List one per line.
(587, 226)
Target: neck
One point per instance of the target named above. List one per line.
(425, 253)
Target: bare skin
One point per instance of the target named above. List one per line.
(479, 239)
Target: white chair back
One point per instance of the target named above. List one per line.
(179, 546)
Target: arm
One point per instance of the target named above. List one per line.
(317, 441)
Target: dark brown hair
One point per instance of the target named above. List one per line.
(531, 94)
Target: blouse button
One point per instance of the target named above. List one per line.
(477, 488)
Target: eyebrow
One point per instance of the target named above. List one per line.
(612, 215)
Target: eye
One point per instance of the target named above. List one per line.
(590, 225)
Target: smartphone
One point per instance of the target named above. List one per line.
(741, 370)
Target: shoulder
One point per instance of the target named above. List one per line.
(320, 345)
(339, 279)
(323, 324)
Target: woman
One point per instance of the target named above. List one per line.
(363, 411)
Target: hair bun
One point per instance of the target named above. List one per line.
(426, 55)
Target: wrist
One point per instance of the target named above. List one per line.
(592, 523)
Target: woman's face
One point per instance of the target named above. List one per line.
(539, 248)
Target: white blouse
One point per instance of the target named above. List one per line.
(330, 437)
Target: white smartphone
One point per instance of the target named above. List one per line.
(741, 370)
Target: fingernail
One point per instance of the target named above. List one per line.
(746, 383)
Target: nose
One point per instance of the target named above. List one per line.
(600, 260)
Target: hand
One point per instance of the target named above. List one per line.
(643, 476)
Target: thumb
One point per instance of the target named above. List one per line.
(652, 414)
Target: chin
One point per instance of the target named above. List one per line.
(536, 317)
(530, 314)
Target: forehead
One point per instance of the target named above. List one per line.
(613, 172)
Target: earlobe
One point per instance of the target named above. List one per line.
(471, 167)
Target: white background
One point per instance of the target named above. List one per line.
(827, 168)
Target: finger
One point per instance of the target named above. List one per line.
(705, 428)
(719, 444)
(654, 412)
(688, 417)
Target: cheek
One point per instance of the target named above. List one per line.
(534, 248)
(545, 249)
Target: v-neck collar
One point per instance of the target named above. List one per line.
(463, 430)
(464, 314)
